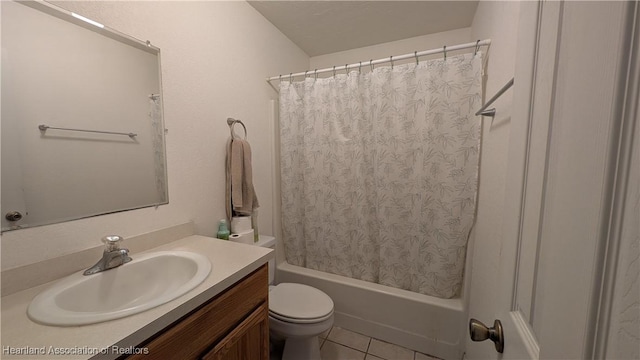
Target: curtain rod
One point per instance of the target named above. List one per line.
(391, 59)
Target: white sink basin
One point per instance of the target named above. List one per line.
(147, 281)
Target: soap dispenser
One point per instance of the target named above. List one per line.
(223, 230)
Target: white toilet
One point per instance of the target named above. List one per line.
(297, 314)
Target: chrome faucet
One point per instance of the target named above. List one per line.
(112, 256)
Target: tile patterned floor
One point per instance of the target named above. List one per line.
(342, 344)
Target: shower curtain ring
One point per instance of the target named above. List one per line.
(477, 46)
(346, 69)
(280, 77)
(371, 64)
(316, 74)
(360, 67)
(334, 71)
(445, 52)
(305, 74)
(290, 77)
(391, 60)
(416, 54)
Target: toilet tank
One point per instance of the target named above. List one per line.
(269, 242)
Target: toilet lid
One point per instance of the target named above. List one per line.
(299, 302)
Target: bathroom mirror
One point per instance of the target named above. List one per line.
(82, 129)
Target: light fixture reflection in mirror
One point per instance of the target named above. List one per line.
(70, 72)
(92, 22)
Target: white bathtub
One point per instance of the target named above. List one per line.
(419, 322)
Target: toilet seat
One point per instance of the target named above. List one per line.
(299, 304)
(299, 321)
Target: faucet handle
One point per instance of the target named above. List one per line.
(112, 242)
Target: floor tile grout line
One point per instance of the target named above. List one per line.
(347, 346)
(350, 347)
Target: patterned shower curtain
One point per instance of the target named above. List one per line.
(157, 143)
(379, 172)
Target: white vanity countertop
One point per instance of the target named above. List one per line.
(230, 262)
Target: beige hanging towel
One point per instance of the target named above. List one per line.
(241, 197)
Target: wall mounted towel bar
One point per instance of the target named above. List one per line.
(44, 128)
(492, 112)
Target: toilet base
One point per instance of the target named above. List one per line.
(301, 341)
(296, 348)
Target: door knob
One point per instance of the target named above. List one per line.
(480, 332)
(13, 216)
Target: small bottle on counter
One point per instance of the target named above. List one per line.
(223, 230)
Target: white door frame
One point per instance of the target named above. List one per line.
(621, 213)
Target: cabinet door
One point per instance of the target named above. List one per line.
(248, 341)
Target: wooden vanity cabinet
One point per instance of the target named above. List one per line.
(233, 325)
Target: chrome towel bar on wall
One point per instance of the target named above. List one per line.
(492, 112)
(44, 128)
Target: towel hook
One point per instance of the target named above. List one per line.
(477, 46)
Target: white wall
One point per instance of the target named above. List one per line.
(215, 57)
(498, 21)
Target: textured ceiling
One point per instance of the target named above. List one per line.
(324, 27)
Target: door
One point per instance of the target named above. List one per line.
(12, 192)
(14, 207)
(568, 101)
